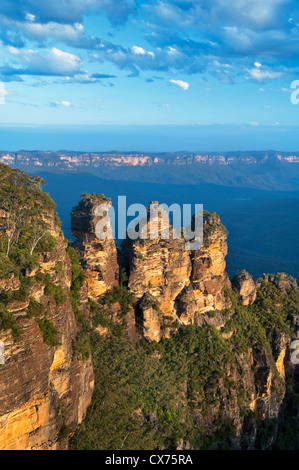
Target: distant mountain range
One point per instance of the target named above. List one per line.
(271, 170)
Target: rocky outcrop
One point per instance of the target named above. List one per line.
(45, 387)
(12, 283)
(159, 268)
(208, 266)
(282, 281)
(98, 257)
(47, 380)
(150, 318)
(246, 287)
(187, 286)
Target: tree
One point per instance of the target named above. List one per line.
(38, 229)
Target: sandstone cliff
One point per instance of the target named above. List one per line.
(98, 257)
(186, 285)
(243, 332)
(215, 368)
(246, 287)
(46, 386)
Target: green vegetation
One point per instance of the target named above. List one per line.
(93, 198)
(131, 386)
(147, 395)
(96, 197)
(24, 226)
(211, 223)
(56, 292)
(257, 323)
(82, 347)
(121, 295)
(26, 214)
(48, 331)
(288, 428)
(8, 322)
(35, 309)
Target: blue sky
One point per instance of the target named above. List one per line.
(216, 70)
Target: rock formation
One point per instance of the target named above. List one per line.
(47, 380)
(45, 387)
(98, 257)
(282, 281)
(208, 266)
(159, 268)
(246, 287)
(186, 285)
(174, 288)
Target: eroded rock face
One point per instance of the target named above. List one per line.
(151, 318)
(158, 268)
(43, 387)
(187, 285)
(208, 275)
(269, 389)
(282, 281)
(12, 283)
(98, 257)
(246, 287)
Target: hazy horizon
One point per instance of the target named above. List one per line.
(148, 138)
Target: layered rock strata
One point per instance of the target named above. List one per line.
(98, 256)
(45, 389)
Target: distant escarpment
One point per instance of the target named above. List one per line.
(255, 169)
(46, 380)
(218, 353)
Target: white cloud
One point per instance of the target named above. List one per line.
(263, 73)
(138, 50)
(253, 13)
(64, 104)
(172, 50)
(40, 31)
(30, 17)
(50, 62)
(3, 93)
(184, 85)
(13, 50)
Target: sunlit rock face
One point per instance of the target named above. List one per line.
(208, 275)
(159, 268)
(185, 284)
(43, 387)
(98, 257)
(246, 287)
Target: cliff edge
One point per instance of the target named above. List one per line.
(47, 379)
